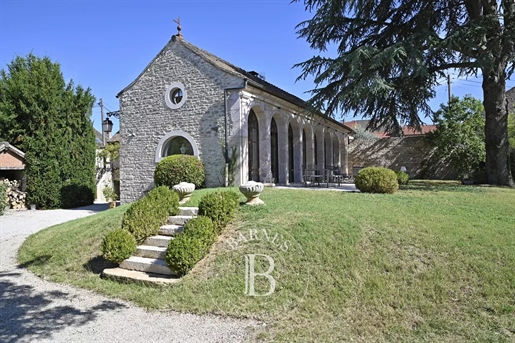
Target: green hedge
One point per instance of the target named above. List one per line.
(220, 207)
(145, 216)
(3, 197)
(118, 245)
(191, 245)
(174, 169)
(402, 177)
(50, 122)
(166, 198)
(377, 180)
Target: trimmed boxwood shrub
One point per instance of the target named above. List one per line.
(144, 218)
(118, 245)
(402, 177)
(166, 198)
(220, 207)
(377, 180)
(203, 229)
(235, 197)
(174, 169)
(191, 245)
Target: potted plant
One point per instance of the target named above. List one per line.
(110, 195)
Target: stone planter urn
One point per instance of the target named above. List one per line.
(252, 190)
(184, 189)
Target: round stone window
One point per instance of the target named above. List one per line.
(175, 95)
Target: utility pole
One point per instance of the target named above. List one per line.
(448, 88)
(101, 104)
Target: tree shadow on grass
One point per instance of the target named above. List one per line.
(30, 315)
(441, 186)
(38, 261)
(97, 264)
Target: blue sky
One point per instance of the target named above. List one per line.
(105, 44)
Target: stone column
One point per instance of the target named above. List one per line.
(345, 153)
(265, 161)
(329, 148)
(282, 141)
(320, 137)
(310, 155)
(297, 151)
(337, 149)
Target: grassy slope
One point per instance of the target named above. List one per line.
(429, 263)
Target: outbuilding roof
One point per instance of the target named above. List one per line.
(12, 148)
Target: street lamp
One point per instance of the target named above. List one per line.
(107, 126)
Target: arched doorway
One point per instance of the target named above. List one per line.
(274, 150)
(253, 131)
(290, 153)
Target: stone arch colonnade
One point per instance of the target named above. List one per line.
(283, 145)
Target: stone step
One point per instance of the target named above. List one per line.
(148, 265)
(178, 220)
(150, 251)
(170, 230)
(137, 276)
(188, 211)
(158, 241)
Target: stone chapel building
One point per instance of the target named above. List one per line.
(188, 101)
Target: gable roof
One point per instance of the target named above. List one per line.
(9, 147)
(252, 78)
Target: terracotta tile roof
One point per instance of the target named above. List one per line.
(406, 130)
(424, 130)
(12, 148)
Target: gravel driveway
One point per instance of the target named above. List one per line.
(35, 310)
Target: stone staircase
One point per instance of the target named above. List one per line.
(147, 264)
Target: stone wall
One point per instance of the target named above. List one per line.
(145, 118)
(415, 153)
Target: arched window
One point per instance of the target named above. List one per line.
(178, 145)
(253, 132)
(290, 153)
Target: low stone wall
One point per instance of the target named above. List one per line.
(414, 153)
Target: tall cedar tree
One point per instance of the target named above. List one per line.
(390, 55)
(49, 119)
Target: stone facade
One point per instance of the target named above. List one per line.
(189, 93)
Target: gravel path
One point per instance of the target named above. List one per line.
(35, 310)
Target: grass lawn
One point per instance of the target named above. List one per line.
(434, 262)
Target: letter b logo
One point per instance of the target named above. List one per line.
(250, 275)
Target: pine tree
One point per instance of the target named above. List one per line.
(391, 54)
